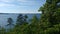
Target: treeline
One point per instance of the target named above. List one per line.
(49, 23)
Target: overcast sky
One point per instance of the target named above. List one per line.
(20, 6)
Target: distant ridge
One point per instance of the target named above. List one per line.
(4, 13)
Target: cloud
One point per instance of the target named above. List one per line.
(16, 2)
(13, 0)
(6, 0)
(28, 2)
(19, 2)
(22, 0)
(4, 4)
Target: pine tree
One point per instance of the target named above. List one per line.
(51, 12)
(50, 17)
(10, 21)
(21, 19)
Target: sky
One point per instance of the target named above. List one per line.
(20, 6)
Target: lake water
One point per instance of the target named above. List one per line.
(4, 17)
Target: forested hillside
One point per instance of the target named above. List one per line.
(48, 23)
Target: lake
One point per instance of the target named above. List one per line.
(4, 17)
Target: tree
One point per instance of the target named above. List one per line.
(51, 12)
(25, 18)
(10, 24)
(21, 19)
(50, 16)
(10, 20)
(34, 27)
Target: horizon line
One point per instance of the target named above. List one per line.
(22, 12)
